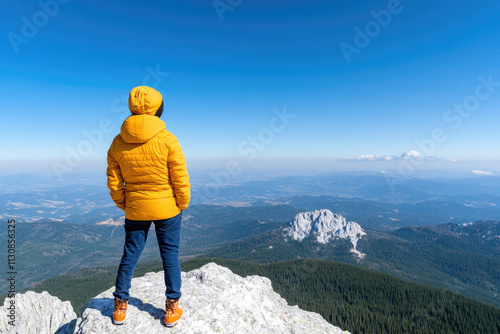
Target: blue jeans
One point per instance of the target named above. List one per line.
(168, 233)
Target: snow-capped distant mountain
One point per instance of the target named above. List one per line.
(324, 226)
(411, 155)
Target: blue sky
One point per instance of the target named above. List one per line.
(225, 78)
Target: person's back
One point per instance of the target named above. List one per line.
(148, 179)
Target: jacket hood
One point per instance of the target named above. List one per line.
(139, 129)
(144, 100)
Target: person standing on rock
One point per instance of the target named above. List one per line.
(148, 179)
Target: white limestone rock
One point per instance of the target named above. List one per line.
(325, 226)
(37, 313)
(214, 301)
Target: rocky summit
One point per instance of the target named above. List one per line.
(214, 301)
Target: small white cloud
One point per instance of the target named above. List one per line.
(481, 172)
(368, 157)
(410, 155)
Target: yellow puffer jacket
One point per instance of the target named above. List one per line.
(147, 174)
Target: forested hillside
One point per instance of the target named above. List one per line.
(462, 259)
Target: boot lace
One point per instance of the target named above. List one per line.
(171, 303)
(121, 305)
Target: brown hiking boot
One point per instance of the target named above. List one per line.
(120, 311)
(172, 312)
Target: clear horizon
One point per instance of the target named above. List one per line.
(400, 169)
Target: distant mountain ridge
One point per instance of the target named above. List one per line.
(420, 201)
(483, 237)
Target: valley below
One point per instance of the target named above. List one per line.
(441, 233)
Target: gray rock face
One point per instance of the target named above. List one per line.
(325, 226)
(37, 313)
(214, 301)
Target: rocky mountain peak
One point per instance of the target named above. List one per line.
(324, 226)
